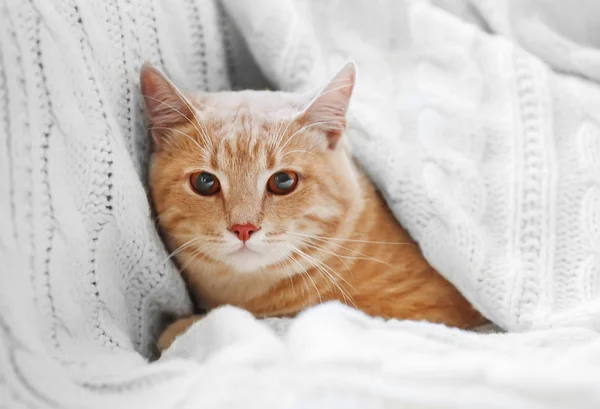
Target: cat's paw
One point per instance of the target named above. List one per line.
(174, 330)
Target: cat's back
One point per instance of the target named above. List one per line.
(391, 276)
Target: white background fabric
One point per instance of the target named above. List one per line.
(487, 152)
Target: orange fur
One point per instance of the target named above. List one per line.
(333, 238)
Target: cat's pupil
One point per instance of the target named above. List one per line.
(283, 180)
(205, 181)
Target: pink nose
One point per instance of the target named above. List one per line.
(243, 231)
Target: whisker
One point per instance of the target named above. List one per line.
(205, 134)
(332, 270)
(295, 250)
(297, 151)
(341, 258)
(180, 249)
(322, 268)
(181, 113)
(273, 138)
(317, 91)
(305, 127)
(347, 85)
(283, 264)
(281, 134)
(365, 256)
(355, 241)
(204, 236)
(193, 257)
(181, 132)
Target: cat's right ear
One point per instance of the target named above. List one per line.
(166, 106)
(328, 109)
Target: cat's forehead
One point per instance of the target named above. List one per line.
(249, 131)
(266, 105)
(249, 120)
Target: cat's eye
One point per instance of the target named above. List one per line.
(282, 183)
(204, 183)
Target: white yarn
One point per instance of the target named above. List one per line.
(484, 153)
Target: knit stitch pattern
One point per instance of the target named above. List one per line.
(481, 144)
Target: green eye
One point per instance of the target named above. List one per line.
(205, 184)
(282, 183)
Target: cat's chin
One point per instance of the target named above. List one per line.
(246, 260)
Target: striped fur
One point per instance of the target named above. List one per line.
(333, 238)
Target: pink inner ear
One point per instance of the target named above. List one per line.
(328, 110)
(165, 105)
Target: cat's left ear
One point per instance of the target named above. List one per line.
(166, 106)
(328, 109)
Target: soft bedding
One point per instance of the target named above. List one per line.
(478, 120)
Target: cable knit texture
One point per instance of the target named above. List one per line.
(485, 146)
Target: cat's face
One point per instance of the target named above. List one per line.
(244, 179)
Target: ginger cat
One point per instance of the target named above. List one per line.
(264, 208)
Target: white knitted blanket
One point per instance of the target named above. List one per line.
(486, 146)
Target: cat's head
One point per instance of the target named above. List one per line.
(245, 179)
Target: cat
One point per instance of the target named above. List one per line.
(263, 207)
